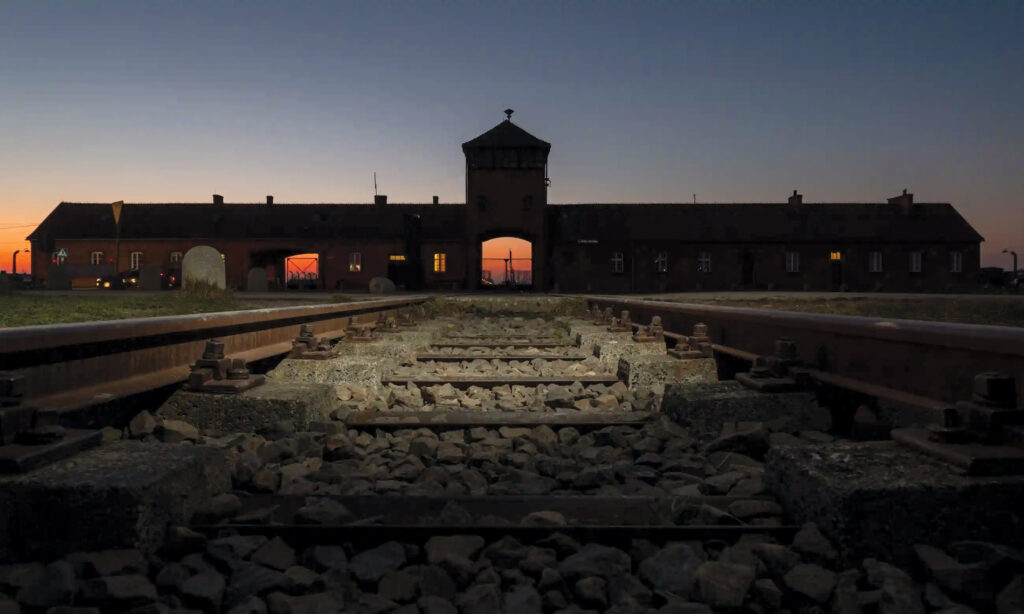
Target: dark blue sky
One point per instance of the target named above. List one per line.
(642, 101)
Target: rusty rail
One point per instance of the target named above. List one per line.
(74, 366)
(927, 364)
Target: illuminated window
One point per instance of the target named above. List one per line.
(792, 262)
(355, 262)
(915, 262)
(175, 257)
(396, 257)
(440, 262)
(874, 262)
(661, 262)
(136, 260)
(835, 256)
(704, 262)
(96, 258)
(617, 262)
(956, 262)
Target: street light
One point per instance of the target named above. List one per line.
(1014, 254)
(14, 260)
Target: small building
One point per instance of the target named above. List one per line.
(896, 245)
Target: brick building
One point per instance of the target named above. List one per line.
(642, 247)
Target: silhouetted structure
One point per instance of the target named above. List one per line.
(895, 245)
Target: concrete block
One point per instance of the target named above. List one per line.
(588, 341)
(609, 351)
(878, 499)
(363, 371)
(705, 407)
(253, 410)
(644, 370)
(120, 495)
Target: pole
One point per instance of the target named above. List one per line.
(14, 263)
(117, 248)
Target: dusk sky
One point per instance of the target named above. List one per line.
(642, 102)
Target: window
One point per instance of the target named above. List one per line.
(96, 258)
(704, 262)
(956, 262)
(527, 203)
(355, 262)
(835, 256)
(792, 262)
(661, 262)
(136, 260)
(440, 262)
(175, 257)
(617, 262)
(915, 262)
(874, 262)
(396, 257)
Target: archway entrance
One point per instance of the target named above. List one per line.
(302, 272)
(507, 262)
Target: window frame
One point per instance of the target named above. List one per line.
(355, 262)
(956, 261)
(875, 261)
(618, 263)
(175, 257)
(661, 262)
(916, 261)
(93, 257)
(440, 262)
(792, 261)
(133, 262)
(704, 261)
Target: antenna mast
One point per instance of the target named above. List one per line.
(375, 183)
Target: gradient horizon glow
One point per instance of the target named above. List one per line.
(642, 102)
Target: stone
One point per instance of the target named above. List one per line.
(256, 280)
(142, 424)
(248, 579)
(522, 600)
(811, 581)
(257, 410)
(66, 506)
(313, 603)
(594, 560)
(767, 593)
(176, 431)
(113, 563)
(382, 285)
(204, 591)
(323, 511)
(171, 576)
(275, 554)
(56, 586)
(440, 548)
(398, 586)
(1010, 600)
(119, 592)
(323, 558)
(371, 565)
(480, 599)
(899, 593)
(250, 605)
(432, 604)
(972, 580)
(671, 568)
(435, 581)
(203, 265)
(224, 505)
(810, 542)
(543, 518)
(591, 591)
(723, 585)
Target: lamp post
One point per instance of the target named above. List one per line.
(1014, 254)
(14, 260)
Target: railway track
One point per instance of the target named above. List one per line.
(481, 465)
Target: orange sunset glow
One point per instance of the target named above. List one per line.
(496, 251)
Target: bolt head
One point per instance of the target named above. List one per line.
(214, 349)
(995, 389)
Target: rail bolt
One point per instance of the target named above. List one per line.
(306, 330)
(238, 369)
(214, 350)
(995, 389)
(700, 329)
(625, 315)
(785, 349)
(12, 384)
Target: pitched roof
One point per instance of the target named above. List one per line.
(204, 220)
(506, 134)
(763, 222)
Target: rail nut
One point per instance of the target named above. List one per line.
(214, 350)
(306, 330)
(238, 369)
(700, 330)
(995, 389)
(785, 349)
(12, 388)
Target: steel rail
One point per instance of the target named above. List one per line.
(70, 367)
(909, 362)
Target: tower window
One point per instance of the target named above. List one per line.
(617, 262)
(956, 262)
(875, 262)
(136, 260)
(661, 262)
(175, 257)
(835, 256)
(396, 257)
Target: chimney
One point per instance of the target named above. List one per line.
(435, 200)
(218, 199)
(380, 199)
(796, 199)
(270, 199)
(904, 200)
